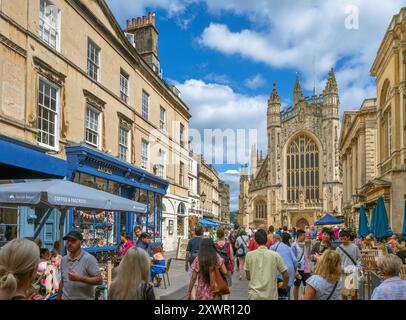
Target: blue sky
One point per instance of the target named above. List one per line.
(225, 55)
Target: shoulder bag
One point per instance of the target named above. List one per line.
(218, 283)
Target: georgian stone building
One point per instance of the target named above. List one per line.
(299, 178)
(389, 69)
(358, 140)
(75, 86)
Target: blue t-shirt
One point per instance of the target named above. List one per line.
(146, 247)
(324, 288)
(193, 247)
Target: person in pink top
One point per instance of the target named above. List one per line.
(336, 233)
(127, 243)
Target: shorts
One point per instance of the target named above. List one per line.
(305, 276)
(345, 290)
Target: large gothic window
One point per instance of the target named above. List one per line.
(260, 210)
(302, 163)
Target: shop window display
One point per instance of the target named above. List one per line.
(97, 227)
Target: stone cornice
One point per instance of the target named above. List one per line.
(94, 101)
(12, 45)
(47, 71)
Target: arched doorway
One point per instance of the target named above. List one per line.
(302, 223)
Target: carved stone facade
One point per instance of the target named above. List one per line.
(299, 179)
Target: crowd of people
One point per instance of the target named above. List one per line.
(29, 271)
(311, 264)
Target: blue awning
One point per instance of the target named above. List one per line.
(19, 154)
(208, 223)
(328, 219)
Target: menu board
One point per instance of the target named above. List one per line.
(181, 252)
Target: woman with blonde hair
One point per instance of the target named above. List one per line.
(326, 283)
(19, 261)
(132, 277)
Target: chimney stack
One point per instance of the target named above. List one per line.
(146, 39)
(128, 24)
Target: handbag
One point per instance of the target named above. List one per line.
(218, 283)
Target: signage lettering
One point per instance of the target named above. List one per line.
(105, 170)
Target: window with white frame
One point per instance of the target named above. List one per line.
(191, 184)
(145, 105)
(48, 107)
(389, 133)
(181, 134)
(93, 60)
(181, 173)
(144, 154)
(123, 145)
(162, 118)
(161, 165)
(92, 127)
(124, 86)
(49, 24)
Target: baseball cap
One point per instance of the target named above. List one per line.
(73, 235)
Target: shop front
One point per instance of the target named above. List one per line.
(101, 230)
(22, 161)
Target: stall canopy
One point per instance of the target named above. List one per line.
(329, 219)
(64, 195)
(363, 229)
(208, 223)
(381, 228)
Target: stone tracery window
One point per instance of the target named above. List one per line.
(260, 209)
(302, 163)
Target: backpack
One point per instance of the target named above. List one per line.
(242, 249)
(223, 252)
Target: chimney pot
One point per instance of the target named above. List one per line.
(149, 17)
(128, 24)
(138, 21)
(134, 22)
(144, 20)
(153, 20)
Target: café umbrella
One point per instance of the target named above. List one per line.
(64, 195)
(328, 219)
(381, 228)
(404, 222)
(363, 229)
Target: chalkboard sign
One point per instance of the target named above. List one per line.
(181, 252)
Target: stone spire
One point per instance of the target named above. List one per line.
(275, 97)
(331, 85)
(297, 92)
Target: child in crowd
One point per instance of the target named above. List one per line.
(158, 263)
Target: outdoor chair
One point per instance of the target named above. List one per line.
(168, 265)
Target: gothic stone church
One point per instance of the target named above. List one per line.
(299, 180)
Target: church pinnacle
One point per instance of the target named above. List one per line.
(331, 85)
(297, 92)
(275, 97)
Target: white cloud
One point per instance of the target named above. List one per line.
(217, 78)
(255, 82)
(232, 177)
(309, 36)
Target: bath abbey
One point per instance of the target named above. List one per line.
(299, 179)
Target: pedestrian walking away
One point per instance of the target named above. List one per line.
(202, 268)
(131, 281)
(224, 249)
(262, 267)
(241, 245)
(326, 283)
(283, 248)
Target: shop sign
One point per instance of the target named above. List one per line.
(105, 170)
(181, 251)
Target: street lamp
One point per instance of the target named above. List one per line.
(203, 197)
(356, 197)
